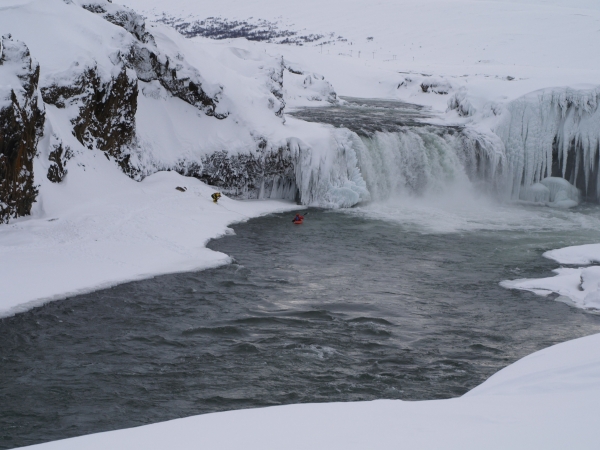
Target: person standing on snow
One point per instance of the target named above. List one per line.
(216, 196)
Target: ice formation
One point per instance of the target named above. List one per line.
(352, 168)
(544, 148)
(577, 286)
(552, 191)
(553, 133)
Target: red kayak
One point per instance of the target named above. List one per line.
(298, 220)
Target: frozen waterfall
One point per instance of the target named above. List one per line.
(410, 161)
(545, 148)
(553, 133)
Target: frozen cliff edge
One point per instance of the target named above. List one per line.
(515, 408)
(554, 133)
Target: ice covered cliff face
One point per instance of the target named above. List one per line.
(556, 133)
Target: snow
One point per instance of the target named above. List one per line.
(578, 254)
(99, 228)
(538, 43)
(577, 286)
(546, 400)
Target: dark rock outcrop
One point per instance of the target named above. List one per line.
(106, 118)
(21, 126)
(276, 88)
(251, 29)
(251, 175)
(59, 155)
(122, 17)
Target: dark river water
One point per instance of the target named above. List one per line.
(341, 308)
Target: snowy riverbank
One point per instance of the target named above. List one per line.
(577, 286)
(546, 400)
(100, 228)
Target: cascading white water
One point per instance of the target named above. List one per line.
(426, 160)
(537, 140)
(383, 165)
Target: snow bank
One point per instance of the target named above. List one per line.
(578, 254)
(546, 400)
(99, 228)
(579, 287)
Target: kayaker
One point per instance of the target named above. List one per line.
(298, 218)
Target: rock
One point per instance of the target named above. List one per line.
(436, 86)
(268, 173)
(59, 155)
(21, 126)
(106, 118)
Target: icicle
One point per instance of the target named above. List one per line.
(544, 130)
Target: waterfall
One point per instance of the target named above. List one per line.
(420, 160)
(413, 160)
(538, 142)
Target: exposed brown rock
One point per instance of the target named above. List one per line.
(21, 125)
(106, 119)
(58, 157)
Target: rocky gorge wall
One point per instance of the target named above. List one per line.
(21, 126)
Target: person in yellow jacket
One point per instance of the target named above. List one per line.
(216, 196)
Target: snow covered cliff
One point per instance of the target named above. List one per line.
(144, 96)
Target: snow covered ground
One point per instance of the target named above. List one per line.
(99, 228)
(578, 286)
(548, 400)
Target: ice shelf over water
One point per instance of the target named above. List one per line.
(552, 191)
(577, 286)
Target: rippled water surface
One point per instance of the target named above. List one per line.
(341, 308)
(364, 115)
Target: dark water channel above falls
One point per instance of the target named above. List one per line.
(341, 308)
(365, 116)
